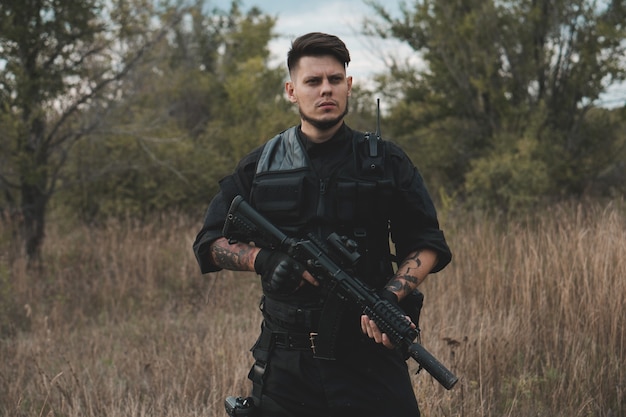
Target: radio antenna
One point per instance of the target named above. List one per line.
(378, 135)
(373, 140)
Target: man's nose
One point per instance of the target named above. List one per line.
(326, 87)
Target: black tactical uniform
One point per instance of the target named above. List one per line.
(360, 188)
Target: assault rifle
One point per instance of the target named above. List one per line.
(244, 223)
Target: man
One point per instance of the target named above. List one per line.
(322, 177)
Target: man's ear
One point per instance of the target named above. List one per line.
(291, 92)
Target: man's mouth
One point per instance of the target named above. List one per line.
(327, 105)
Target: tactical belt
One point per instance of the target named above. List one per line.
(294, 341)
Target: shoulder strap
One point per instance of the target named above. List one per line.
(283, 152)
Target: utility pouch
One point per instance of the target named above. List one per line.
(279, 195)
(261, 352)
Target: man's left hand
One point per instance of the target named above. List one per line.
(369, 327)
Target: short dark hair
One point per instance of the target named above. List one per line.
(317, 44)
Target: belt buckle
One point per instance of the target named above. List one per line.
(312, 337)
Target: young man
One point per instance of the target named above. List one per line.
(322, 177)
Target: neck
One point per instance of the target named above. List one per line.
(317, 135)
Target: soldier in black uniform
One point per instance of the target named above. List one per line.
(321, 177)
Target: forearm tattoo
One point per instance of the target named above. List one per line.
(235, 257)
(406, 279)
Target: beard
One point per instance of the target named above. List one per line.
(324, 124)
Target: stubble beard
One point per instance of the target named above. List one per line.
(324, 124)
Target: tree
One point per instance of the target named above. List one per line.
(60, 58)
(502, 73)
(201, 98)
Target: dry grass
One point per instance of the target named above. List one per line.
(120, 323)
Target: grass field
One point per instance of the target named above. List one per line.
(530, 315)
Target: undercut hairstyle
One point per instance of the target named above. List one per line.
(317, 44)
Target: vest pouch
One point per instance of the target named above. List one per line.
(345, 201)
(367, 202)
(384, 197)
(279, 196)
(362, 203)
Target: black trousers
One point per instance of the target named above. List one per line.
(367, 380)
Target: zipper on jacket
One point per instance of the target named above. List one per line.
(322, 196)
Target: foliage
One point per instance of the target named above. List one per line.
(501, 74)
(60, 58)
(510, 177)
(202, 98)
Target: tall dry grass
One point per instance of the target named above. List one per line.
(120, 322)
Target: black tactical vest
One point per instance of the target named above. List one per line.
(353, 201)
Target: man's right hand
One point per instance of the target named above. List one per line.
(280, 274)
